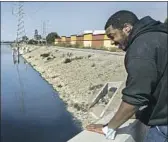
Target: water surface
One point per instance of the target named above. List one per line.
(31, 110)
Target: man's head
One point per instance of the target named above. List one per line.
(119, 26)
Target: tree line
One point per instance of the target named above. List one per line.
(38, 39)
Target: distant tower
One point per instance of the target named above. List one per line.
(36, 34)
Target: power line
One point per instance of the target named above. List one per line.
(44, 29)
(19, 13)
(20, 27)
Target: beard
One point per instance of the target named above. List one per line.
(123, 42)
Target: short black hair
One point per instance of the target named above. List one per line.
(118, 19)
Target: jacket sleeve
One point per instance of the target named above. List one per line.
(142, 73)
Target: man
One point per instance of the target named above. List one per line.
(146, 91)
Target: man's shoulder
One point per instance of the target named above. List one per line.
(145, 44)
(151, 35)
(150, 38)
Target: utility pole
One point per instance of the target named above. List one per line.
(20, 26)
(19, 38)
(44, 33)
(44, 29)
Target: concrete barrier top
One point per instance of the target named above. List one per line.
(131, 131)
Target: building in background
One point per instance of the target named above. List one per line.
(88, 38)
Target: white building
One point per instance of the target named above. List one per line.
(94, 32)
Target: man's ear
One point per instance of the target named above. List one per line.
(127, 28)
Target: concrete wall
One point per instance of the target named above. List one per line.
(107, 42)
(59, 40)
(73, 39)
(63, 39)
(68, 40)
(79, 40)
(56, 41)
(131, 131)
(87, 40)
(98, 40)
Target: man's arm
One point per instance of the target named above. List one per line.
(141, 80)
(124, 113)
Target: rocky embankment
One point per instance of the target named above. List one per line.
(76, 74)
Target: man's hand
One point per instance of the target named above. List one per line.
(95, 128)
(98, 128)
(125, 112)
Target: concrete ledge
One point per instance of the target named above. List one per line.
(131, 131)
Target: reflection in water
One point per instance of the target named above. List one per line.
(16, 55)
(16, 61)
(21, 90)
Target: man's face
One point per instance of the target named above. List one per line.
(117, 36)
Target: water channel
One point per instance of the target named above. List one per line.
(31, 110)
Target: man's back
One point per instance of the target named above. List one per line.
(160, 93)
(146, 64)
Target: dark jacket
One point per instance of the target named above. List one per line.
(146, 65)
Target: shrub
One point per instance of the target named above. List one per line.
(67, 60)
(63, 44)
(77, 45)
(45, 55)
(68, 45)
(31, 41)
(112, 49)
(51, 37)
(102, 48)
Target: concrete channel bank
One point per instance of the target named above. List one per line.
(67, 69)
